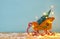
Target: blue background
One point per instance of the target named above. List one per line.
(16, 14)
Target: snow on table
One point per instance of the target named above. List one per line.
(26, 36)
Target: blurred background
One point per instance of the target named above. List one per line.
(16, 14)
